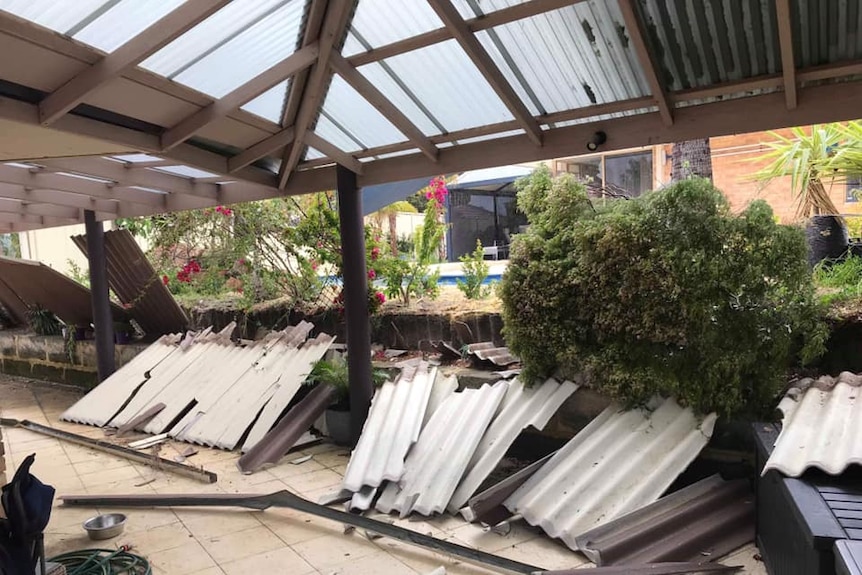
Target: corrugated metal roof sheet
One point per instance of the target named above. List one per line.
(488, 351)
(826, 32)
(711, 42)
(215, 392)
(393, 425)
(566, 59)
(621, 461)
(822, 426)
(135, 282)
(437, 462)
(521, 408)
(37, 285)
(701, 522)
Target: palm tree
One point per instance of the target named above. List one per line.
(805, 158)
(692, 158)
(390, 212)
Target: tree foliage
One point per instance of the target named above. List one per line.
(665, 294)
(475, 271)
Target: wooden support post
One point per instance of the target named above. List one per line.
(355, 299)
(102, 318)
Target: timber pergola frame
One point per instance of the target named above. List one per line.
(637, 70)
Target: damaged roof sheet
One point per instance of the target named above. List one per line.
(393, 425)
(438, 460)
(822, 426)
(522, 407)
(701, 522)
(621, 461)
(215, 392)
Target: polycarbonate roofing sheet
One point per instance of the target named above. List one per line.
(122, 22)
(58, 16)
(621, 461)
(270, 104)
(822, 426)
(392, 427)
(350, 113)
(447, 83)
(377, 23)
(232, 46)
(568, 58)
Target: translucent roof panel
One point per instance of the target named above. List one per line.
(185, 172)
(472, 8)
(443, 78)
(313, 154)
(377, 23)
(356, 116)
(337, 135)
(270, 104)
(568, 58)
(58, 16)
(232, 46)
(135, 158)
(122, 22)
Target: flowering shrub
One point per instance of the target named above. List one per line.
(407, 279)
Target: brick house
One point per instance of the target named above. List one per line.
(734, 159)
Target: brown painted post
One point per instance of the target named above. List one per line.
(355, 299)
(102, 319)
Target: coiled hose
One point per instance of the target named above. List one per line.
(103, 562)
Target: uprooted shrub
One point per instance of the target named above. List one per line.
(665, 294)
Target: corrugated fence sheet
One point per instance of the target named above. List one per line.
(136, 283)
(822, 426)
(701, 522)
(621, 461)
(393, 425)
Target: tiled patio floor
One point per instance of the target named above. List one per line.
(228, 541)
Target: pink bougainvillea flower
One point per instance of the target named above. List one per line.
(381, 299)
(165, 280)
(375, 253)
(372, 274)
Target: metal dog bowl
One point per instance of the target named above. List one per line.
(105, 526)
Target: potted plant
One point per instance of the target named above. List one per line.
(334, 372)
(123, 332)
(806, 158)
(43, 321)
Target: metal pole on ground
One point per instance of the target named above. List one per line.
(355, 299)
(102, 319)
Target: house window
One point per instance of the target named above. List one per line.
(854, 190)
(629, 174)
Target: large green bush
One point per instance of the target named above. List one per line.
(666, 294)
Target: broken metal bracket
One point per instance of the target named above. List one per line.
(117, 450)
(289, 500)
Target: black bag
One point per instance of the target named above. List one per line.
(27, 505)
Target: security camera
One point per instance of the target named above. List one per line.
(597, 140)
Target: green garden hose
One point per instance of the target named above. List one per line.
(103, 562)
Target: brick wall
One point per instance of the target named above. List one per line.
(734, 159)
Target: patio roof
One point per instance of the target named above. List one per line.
(130, 108)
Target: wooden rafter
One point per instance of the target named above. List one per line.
(634, 28)
(299, 60)
(260, 149)
(447, 12)
(135, 50)
(389, 111)
(338, 155)
(58, 198)
(788, 62)
(334, 26)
